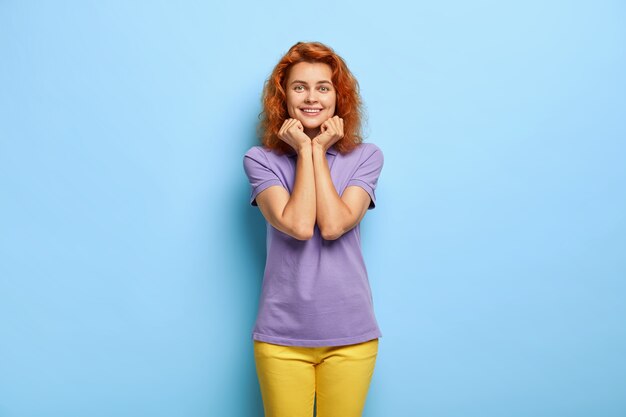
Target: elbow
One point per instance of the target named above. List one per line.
(302, 233)
(331, 233)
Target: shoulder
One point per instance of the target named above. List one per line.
(261, 158)
(254, 152)
(259, 154)
(260, 151)
(367, 151)
(371, 148)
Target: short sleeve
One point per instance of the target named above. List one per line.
(260, 175)
(367, 172)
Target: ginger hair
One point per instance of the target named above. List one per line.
(348, 105)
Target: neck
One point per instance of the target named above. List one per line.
(311, 133)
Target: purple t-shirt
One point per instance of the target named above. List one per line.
(315, 292)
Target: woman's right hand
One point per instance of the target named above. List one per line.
(292, 133)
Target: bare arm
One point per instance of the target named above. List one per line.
(293, 214)
(335, 215)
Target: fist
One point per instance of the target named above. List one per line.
(331, 131)
(292, 133)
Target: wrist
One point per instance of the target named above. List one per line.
(317, 146)
(304, 148)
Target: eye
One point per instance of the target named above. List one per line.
(297, 87)
(323, 88)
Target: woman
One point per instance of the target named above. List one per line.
(316, 335)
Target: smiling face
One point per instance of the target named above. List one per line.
(311, 96)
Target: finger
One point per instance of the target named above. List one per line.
(292, 123)
(284, 128)
(332, 126)
(285, 124)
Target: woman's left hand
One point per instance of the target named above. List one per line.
(331, 131)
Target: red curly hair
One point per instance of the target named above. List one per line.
(274, 100)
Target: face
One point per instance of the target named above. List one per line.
(311, 95)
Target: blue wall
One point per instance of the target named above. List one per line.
(131, 262)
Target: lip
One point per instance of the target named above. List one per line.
(310, 114)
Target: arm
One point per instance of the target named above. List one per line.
(293, 214)
(335, 215)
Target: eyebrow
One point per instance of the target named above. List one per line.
(304, 82)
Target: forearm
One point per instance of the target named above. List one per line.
(300, 210)
(332, 213)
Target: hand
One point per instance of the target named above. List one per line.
(292, 133)
(331, 132)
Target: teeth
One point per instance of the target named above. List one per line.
(310, 111)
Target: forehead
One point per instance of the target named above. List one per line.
(310, 71)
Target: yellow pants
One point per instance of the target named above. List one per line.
(337, 378)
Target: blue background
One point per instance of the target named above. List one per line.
(131, 262)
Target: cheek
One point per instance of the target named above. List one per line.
(290, 107)
(332, 103)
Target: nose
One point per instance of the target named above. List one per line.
(310, 98)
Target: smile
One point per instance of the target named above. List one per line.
(311, 112)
